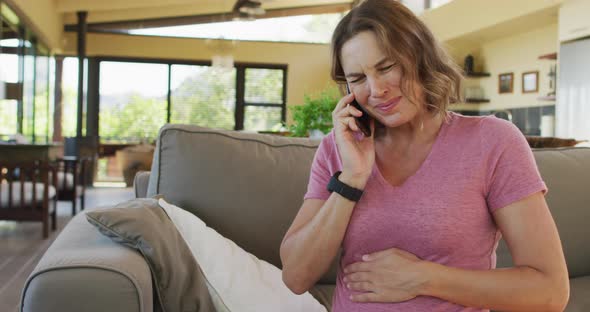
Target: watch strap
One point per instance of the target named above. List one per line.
(345, 190)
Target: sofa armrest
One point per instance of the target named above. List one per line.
(140, 184)
(86, 271)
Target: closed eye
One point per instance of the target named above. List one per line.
(387, 68)
(357, 79)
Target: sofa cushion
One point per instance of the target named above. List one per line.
(142, 225)
(566, 173)
(65, 180)
(239, 280)
(214, 174)
(28, 192)
(324, 293)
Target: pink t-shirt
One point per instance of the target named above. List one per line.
(442, 213)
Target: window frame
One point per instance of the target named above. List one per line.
(25, 33)
(240, 67)
(241, 94)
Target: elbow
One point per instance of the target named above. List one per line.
(557, 305)
(299, 276)
(293, 277)
(294, 282)
(559, 296)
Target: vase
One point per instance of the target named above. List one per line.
(316, 134)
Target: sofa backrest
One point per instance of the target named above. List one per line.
(249, 187)
(566, 171)
(246, 186)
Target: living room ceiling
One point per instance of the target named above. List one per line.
(117, 14)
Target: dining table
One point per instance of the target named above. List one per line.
(22, 153)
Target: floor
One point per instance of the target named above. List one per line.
(21, 243)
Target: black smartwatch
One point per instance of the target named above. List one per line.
(343, 189)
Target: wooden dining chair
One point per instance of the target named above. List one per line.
(71, 179)
(28, 194)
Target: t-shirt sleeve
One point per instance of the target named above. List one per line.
(511, 170)
(320, 170)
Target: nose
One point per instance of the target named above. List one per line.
(378, 87)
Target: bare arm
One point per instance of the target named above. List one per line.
(313, 240)
(537, 282)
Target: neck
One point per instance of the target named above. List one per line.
(420, 131)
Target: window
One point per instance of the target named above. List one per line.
(133, 101)
(202, 95)
(28, 69)
(8, 74)
(315, 28)
(139, 96)
(418, 6)
(69, 100)
(437, 3)
(24, 70)
(263, 100)
(43, 120)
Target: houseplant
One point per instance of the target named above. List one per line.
(314, 117)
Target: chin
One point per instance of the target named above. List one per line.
(393, 120)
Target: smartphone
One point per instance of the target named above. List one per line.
(363, 122)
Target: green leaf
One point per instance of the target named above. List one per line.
(315, 113)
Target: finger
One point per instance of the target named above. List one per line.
(360, 286)
(379, 254)
(346, 121)
(349, 110)
(353, 125)
(343, 102)
(365, 297)
(354, 111)
(358, 277)
(405, 254)
(357, 267)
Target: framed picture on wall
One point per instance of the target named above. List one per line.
(530, 82)
(505, 83)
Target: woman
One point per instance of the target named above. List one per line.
(438, 189)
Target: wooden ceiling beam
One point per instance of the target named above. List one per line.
(72, 6)
(121, 26)
(196, 7)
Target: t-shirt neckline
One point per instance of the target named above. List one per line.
(439, 138)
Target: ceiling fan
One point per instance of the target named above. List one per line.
(249, 9)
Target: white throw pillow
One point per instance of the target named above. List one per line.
(241, 281)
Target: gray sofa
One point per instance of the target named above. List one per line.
(249, 188)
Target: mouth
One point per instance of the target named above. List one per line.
(389, 105)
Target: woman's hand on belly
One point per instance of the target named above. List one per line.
(390, 275)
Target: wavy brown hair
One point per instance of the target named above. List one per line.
(406, 40)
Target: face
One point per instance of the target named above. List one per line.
(375, 80)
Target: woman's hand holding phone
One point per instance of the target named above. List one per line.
(357, 154)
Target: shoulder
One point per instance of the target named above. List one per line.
(327, 158)
(328, 142)
(327, 148)
(486, 128)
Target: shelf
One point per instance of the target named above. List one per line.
(546, 98)
(550, 56)
(472, 100)
(477, 74)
